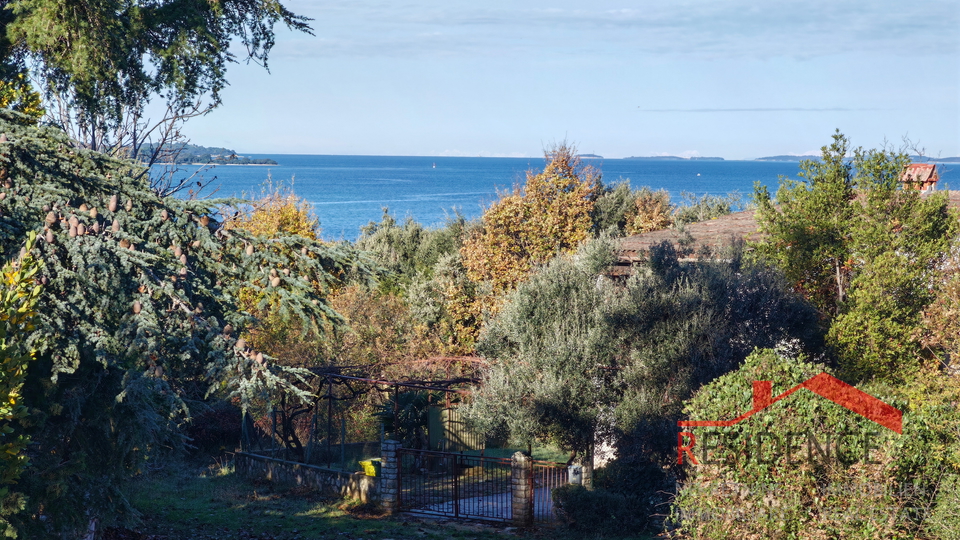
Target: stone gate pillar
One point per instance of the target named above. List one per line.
(587, 463)
(521, 480)
(389, 475)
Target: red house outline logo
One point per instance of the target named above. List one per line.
(825, 386)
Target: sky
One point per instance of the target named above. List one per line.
(738, 79)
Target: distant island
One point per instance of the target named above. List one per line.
(590, 156)
(206, 155)
(785, 158)
(927, 159)
(676, 158)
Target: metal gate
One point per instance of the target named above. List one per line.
(547, 476)
(454, 485)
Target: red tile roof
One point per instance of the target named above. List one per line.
(920, 175)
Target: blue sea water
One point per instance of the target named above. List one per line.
(348, 192)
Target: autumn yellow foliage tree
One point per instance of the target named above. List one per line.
(18, 298)
(382, 330)
(549, 215)
(652, 212)
(277, 211)
(17, 94)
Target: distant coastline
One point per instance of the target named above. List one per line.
(675, 158)
(226, 163)
(193, 154)
(789, 157)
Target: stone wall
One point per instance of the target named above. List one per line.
(329, 482)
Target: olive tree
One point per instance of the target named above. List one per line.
(575, 355)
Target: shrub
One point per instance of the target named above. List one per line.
(706, 207)
(645, 483)
(944, 521)
(599, 511)
(612, 207)
(747, 486)
(941, 319)
(19, 293)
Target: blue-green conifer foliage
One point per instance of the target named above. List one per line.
(137, 318)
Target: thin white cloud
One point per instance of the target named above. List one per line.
(502, 154)
(762, 109)
(707, 28)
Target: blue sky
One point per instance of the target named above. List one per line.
(738, 79)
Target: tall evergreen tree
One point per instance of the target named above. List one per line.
(139, 316)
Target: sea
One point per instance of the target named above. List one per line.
(348, 192)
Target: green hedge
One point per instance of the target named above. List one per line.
(905, 489)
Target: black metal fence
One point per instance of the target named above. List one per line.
(455, 485)
(472, 487)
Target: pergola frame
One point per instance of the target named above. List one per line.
(357, 381)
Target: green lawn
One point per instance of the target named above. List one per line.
(212, 504)
(191, 502)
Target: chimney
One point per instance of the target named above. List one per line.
(762, 394)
